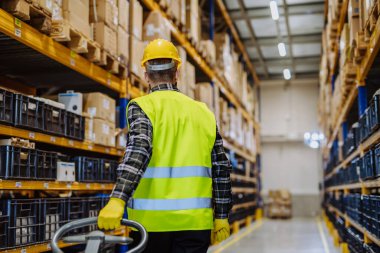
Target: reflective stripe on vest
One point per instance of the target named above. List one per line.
(169, 204)
(177, 172)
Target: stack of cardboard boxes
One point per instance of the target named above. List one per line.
(136, 35)
(100, 118)
(122, 31)
(193, 19)
(280, 204)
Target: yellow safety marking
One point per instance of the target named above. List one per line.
(323, 237)
(238, 237)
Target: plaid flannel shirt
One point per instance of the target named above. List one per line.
(139, 151)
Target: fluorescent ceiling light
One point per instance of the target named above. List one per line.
(281, 49)
(274, 10)
(287, 74)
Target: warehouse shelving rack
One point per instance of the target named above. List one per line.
(118, 86)
(357, 92)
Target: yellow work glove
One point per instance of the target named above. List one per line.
(110, 216)
(221, 231)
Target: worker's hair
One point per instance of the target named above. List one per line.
(162, 76)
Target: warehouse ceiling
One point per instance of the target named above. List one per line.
(299, 27)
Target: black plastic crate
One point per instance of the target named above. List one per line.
(23, 222)
(87, 169)
(75, 210)
(367, 168)
(47, 165)
(108, 170)
(377, 160)
(18, 163)
(74, 126)
(55, 119)
(52, 217)
(374, 113)
(93, 206)
(6, 106)
(350, 143)
(4, 219)
(29, 112)
(364, 126)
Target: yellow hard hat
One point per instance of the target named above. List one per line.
(160, 49)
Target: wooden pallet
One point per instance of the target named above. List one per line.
(37, 5)
(359, 47)
(29, 13)
(112, 64)
(370, 23)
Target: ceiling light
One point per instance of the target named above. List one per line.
(287, 74)
(274, 10)
(282, 49)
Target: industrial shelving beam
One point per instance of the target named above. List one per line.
(362, 185)
(57, 140)
(53, 186)
(42, 43)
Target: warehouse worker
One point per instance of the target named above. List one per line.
(175, 175)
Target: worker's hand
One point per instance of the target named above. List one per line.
(110, 216)
(221, 231)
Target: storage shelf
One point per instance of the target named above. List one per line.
(185, 43)
(366, 145)
(242, 178)
(45, 45)
(238, 150)
(53, 185)
(43, 247)
(57, 140)
(243, 190)
(349, 222)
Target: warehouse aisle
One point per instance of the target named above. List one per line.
(281, 236)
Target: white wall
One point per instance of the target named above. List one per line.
(288, 110)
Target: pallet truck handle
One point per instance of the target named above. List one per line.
(95, 238)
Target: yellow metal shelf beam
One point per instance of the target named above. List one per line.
(243, 190)
(32, 38)
(184, 42)
(362, 185)
(244, 205)
(366, 145)
(236, 177)
(58, 141)
(236, 36)
(53, 185)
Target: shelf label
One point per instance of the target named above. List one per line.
(18, 185)
(72, 62)
(48, 246)
(18, 32)
(68, 186)
(90, 147)
(46, 185)
(88, 186)
(52, 139)
(18, 22)
(108, 78)
(32, 135)
(119, 152)
(103, 186)
(71, 143)
(23, 251)
(107, 150)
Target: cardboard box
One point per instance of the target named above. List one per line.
(136, 54)
(106, 11)
(210, 49)
(155, 27)
(123, 6)
(65, 171)
(73, 101)
(174, 8)
(182, 80)
(77, 13)
(354, 29)
(99, 105)
(190, 78)
(136, 19)
(204, 92)
(106, 37)
(104, 132)
(47, 5)
(122, 44)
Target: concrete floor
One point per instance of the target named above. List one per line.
(280, 236)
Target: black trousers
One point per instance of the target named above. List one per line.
(175, 242)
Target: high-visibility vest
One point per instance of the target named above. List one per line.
(175, 192)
